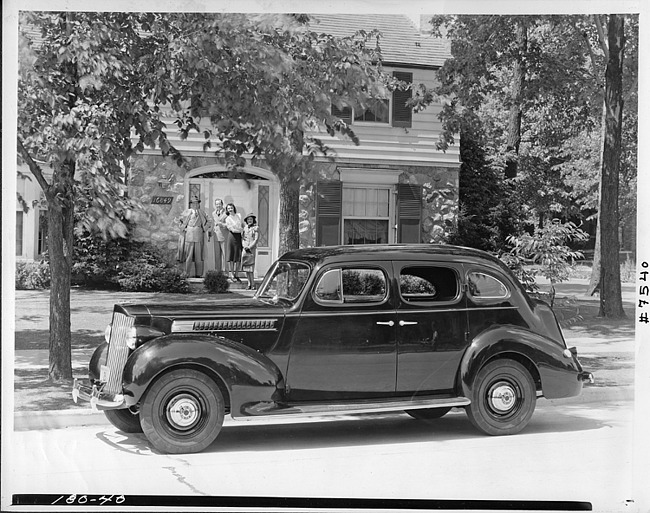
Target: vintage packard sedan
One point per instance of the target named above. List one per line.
(348, 329)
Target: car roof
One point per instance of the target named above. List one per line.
(378, 252)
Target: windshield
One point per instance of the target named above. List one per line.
(284, 281)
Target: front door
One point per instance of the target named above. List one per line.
(253, 196)
(344, 343)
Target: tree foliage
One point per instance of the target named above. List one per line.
(95, 87)
(560, 158)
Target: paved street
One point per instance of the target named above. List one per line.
(572, 450)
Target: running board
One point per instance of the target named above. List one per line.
(344, 408)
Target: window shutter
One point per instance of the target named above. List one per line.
(402, 115)
(328, 213)
(345, 113)
(409, 212)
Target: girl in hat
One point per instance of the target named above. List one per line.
(250, 237)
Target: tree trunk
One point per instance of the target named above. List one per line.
(60, 216)
(611, 304)
(516, 99)
(289, 213)
(594, 281)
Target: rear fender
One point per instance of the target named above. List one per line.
(249, 376)
(555, 372)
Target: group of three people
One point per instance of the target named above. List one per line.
(235, 240)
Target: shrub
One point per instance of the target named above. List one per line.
(216, 282)
(32, 275)
(143, 276)
(124, 264)
(548, 249)
(517, 265)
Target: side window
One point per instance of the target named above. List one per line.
(351, 286)
(329, 287)
(485, 286)
(438, 284)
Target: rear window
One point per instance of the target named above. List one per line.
(428, 283)
(485, 286)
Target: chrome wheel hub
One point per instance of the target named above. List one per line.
(183, 411)
(502, 397)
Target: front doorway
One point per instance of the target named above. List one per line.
(257, 193)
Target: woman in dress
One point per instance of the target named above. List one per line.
(234, 242)
(249, 244)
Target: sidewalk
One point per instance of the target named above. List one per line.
(91, 311)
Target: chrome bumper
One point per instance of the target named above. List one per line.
(586, 377)
(99, 400)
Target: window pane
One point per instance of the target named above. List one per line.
(348, 202)
(359, 202)
(263, 215)
(363, 285)
(329, 286)
(365, 231)
(371, 203)
(383, 196)
(428, 284)
(377, 112)
(484, 286)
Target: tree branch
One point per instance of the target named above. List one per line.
(33, 167)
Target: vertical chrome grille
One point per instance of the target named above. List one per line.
(118, 351)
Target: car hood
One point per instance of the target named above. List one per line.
(203, 308)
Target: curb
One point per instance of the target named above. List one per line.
(60, 419)
(57, 419)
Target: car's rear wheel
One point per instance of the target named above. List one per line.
(182, 412)
(503, 398)
(428, 413)
(124, 420)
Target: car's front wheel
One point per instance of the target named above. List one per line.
(502, 398)
(428, 413)
(124, 420)
(182, 412)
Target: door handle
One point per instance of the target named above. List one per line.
(386, 323)
(406, 323)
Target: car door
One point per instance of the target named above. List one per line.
(344, 345)
(431, 326)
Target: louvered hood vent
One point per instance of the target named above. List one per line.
(224, 325)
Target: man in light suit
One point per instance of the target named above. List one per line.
(218, 226)
(195, 224)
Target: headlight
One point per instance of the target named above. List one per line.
(131, 338)
(107, 333)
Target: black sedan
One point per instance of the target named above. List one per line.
(346, 329)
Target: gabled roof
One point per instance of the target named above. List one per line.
(401, 42)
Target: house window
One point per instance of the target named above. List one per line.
(377, 112)
(393, 111)
(366, 215)
(19, 233)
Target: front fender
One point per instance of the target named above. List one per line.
(559, 374)
(248, 375)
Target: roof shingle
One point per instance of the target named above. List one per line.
(401, 42)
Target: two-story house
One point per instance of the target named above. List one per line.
(395, 186)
